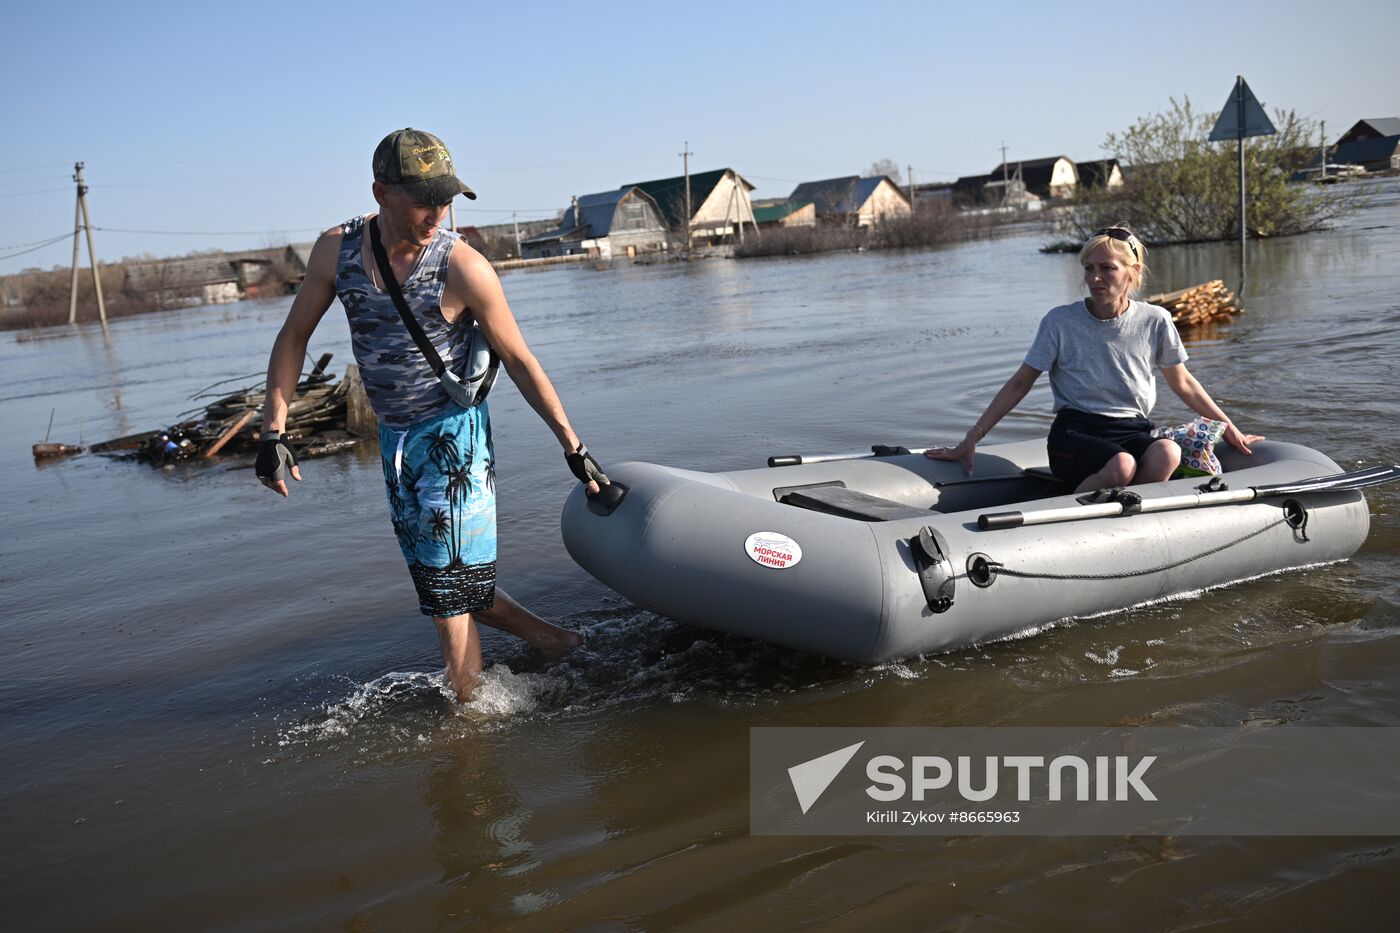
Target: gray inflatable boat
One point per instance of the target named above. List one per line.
(894, 555)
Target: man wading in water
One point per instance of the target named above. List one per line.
(439, 466)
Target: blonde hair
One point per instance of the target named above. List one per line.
(1131, 253)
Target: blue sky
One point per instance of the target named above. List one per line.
(258, 119)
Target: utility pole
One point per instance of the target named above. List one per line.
(1005, 176)
(733, 208)
(686, 156)
(515, 219)
(82, 222)
(910, 170)
(1322, 131)
(73, 280)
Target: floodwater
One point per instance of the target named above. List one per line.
(221, 710)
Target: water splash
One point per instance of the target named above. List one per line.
(631, 656)
(409, 702)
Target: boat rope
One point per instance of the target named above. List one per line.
(1000, 568)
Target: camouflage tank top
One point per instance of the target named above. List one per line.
(401, 386)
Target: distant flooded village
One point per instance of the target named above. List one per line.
(713, 213)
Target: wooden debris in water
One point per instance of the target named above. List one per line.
(47, 451)
(316, 418)
(1199, 304)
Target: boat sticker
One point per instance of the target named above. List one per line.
(772, 549)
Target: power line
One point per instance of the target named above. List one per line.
(510, 210)
(791, 181)
(931, 171)
(32, 168)
(32, 242)
(212, 232)
(61, 236)
(38, 180)
(23, 194)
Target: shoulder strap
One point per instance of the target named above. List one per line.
(425, 346)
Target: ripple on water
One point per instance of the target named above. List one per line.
(634, 658)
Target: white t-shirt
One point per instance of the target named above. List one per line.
(1106, 367)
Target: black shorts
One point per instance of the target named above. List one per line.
(1080, 443)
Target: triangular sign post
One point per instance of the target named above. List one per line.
(1242, 116)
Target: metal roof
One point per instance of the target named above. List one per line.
(1381, 126)
(775, 209)
(1047, 162)
(831, 195)
(843, 195)
(596, 210)
(596, 214)
(669, 193)
(187, 272)
(1097, 171)
(549, 236)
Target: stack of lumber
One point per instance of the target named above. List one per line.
(1199, 304)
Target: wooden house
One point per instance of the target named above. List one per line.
(1053, 177)
(189, 280)
(941, 192)
(474, 238)
(1100, 173)
(623, 222)
(719, 203)
(853, 200)
(993, 191)
(1371, 129)
(1372, 144)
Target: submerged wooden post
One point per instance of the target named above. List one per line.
(359, 416)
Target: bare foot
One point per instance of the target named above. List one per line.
(548, 639)
(557, 644)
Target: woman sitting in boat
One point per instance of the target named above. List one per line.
(1100, 353)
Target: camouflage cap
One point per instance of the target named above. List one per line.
(419, 163)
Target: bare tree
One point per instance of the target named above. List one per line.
(884, 167)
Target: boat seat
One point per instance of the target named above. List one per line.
(835, 499)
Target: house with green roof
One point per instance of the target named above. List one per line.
(782, 212)
(719, 203)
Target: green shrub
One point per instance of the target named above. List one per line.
(1179, 187)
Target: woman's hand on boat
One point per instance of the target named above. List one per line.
(962, 453)
(1241, 441)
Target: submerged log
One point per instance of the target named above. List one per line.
(359, 416)
(47, 451)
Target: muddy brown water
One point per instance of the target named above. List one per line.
(223, 711)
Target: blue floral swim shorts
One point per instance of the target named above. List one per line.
(440, 476)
